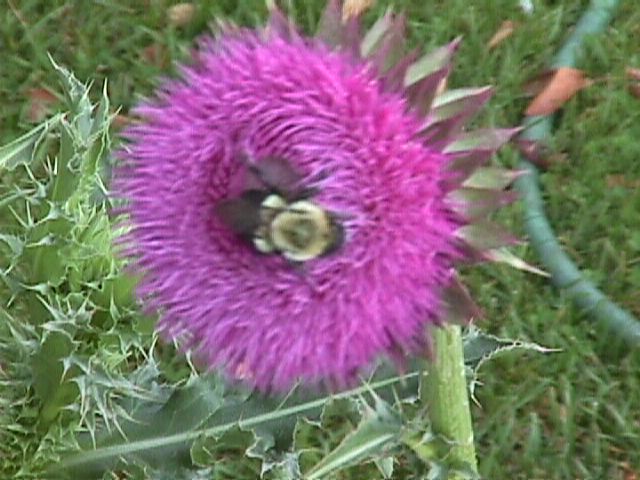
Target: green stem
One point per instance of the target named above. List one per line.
(446, 393)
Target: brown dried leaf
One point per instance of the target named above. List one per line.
(120, 121)
(536, 152)
(633, 73)
(505, 31)
(563, 86)
(353, 8)
(155, 54)
(181, 14)
(622, 181)
(40, 102)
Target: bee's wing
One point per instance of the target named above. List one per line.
(277, 174)
(242, 214)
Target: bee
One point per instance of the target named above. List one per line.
(281, 216)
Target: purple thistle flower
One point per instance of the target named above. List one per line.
(365, 127)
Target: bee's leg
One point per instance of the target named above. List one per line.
(305, 193)
(311, 191)
(297, 267)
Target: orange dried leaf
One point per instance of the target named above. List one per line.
(353, 8)
(538, 83)
(505, 31)
(181, 14)
(563, 86)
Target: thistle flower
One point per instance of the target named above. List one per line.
(368, 129)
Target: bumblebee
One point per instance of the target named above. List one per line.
(281, 217)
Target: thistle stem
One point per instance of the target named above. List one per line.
(447, 395)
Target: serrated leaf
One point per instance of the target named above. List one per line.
(50, 380)
(429, 448)
(268, 414)
(16, 244)
(78, 98)
(208, 450)
(385, 466)
(66, 177)
(379, 429)
(284, 466)
(480, 347)
(21, 150)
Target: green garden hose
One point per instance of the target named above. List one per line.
(564, 273)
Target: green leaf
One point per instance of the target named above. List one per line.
(270, 415)
(379, 429)
(163, 430)
(77, 95)
(480, 347)
(280, 465)
(385, 465)
(430, 448)
(68, 159)
(21, 151)
(50, 376)
(16, 244)
(211, 450)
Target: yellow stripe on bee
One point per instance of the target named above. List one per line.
(294, 220)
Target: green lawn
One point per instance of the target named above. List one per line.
(567, 415)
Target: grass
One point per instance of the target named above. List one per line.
(572, 414)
